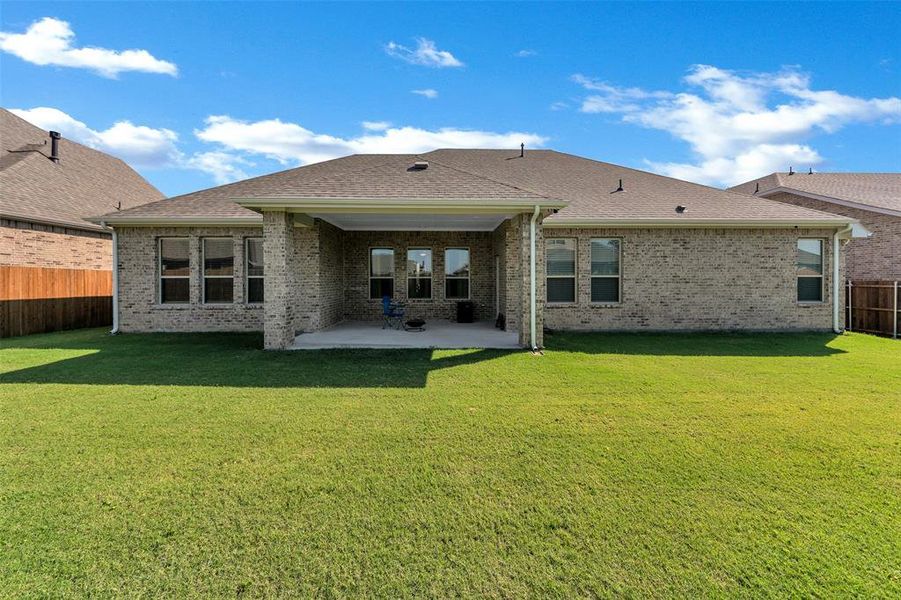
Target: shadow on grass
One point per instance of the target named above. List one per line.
(236, 360)
(226, 359)
(695, 344)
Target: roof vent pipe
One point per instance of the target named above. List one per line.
(54, 146)
(810, 171)
(620, 188)
(757, 188)
(522, 150)
(790, 171)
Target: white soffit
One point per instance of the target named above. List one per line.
(411, 222)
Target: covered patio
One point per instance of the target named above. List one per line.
(437, 334)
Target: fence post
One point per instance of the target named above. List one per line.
(850, 314)
(895, 314)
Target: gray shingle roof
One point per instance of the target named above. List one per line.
(586, 185)
(876, 190)
(84, 183)
(590, 188)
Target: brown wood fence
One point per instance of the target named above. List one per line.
(873, 307)
(40, 299)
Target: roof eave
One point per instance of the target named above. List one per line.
(177, 221)
(697, 223)
(829, 199)
(400, 205)
(88, 224)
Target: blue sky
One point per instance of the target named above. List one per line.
(715, 93)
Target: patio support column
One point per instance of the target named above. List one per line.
(278, 246)
(519, 299)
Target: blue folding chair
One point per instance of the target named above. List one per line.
(392, 313)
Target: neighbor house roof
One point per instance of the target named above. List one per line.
(84, 183)
(584, 191)
(880, 192)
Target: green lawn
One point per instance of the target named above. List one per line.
(198, 465)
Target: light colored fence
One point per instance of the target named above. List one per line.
(39, 299)
(873, 307)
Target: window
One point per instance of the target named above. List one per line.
(253, 269)
(419, 273)
(456, 273)
(381, 273)
(605, 270)
(810, 270)
(561, 270)
(218, 270)
(175, 271)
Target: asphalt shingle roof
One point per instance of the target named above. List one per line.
(84, 183)
(877, 190)
(587, 186)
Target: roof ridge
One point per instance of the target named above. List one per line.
(486, 178)
(354, 170)
(651, 173)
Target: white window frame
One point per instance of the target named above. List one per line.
(574, 276)
(393, 276)
(822, 274)
(431, 277)
(468, 277)
(248, 277)
(159, 269)
(204, 276)
(619, 276)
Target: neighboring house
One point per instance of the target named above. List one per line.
(611, 248)
(872, 198)
(56, 266)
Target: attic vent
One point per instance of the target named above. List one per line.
(681, 209)
(420, 165)
(54, 146)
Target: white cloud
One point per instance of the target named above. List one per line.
(613, 99)
(225, 167)
(744, 166)
(138, 145)
(525, 53)
(236, 142)
(49, 42)
(376, 125)
(290, 143)
(739, 126)
(425, 54)
(427, 93)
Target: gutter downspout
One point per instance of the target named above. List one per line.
(836, 284)
(115, 328)
(532, 286)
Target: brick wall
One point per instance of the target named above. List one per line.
(672, 279)
(683, 279)
(35, 245)
(877, 257)
(357, 244)
(514, 235)
(139, 307)
(331, 273)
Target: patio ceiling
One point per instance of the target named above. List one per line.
(413, 222)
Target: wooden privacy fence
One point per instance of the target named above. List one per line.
(873, 307)
(39, 299)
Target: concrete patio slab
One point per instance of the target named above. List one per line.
(437, 334)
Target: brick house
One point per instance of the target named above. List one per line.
(549, 240)
(52, 260)
(874, 199)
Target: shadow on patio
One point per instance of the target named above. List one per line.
(227, 360)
